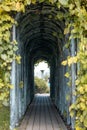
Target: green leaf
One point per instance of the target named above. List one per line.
(10, 52)
(72, 113)
(6, 8)
(21, 84)
(28, 2)
(4, 56)
(54, 34)
(33, 1)
(1, 50)
(66, 30)
(67, 75)
(64, 62)
(85, 122)
(64, 2)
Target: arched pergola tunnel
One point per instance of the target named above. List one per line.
(39, 37)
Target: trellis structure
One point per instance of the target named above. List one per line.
(40, 36)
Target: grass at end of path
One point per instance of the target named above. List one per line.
(4, 118)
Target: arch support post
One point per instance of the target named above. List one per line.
(31, 81)
(52, 81)
(13, 91)
(73, 77)
(25, 84)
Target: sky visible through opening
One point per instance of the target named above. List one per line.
(41, 70)
(42, 77)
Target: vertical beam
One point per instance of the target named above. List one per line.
(25, 83)
(64, 92)
(68, 92)
(21, 91)
(13, 116)
(59, 86)
(56, 85)
(31, 80)
(73, 75)
(52, 80)
(28, 81)
(23, 86)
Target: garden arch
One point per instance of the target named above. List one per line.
(40, 35)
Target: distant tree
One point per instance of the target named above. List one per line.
(41, 86)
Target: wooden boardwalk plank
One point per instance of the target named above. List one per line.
(27, 116)
(48, 117)
(42, 115)
(37, 116)
(32, 116)
(52, 115)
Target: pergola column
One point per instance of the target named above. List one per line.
(13, 91)
(73, 77)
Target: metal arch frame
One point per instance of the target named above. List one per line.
(52, 25)
(20, 97)
(46, 43)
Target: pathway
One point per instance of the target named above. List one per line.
(42, 115)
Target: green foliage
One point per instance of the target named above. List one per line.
(7, 47)
(78, 16)
(41, 86)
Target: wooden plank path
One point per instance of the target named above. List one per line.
(42, 115)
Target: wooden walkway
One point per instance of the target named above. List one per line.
(42, 115)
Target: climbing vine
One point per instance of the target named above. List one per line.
(78, 18)
(76, 26)
(7, 46)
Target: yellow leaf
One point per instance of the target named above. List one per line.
(72, 113)
(11, 86)
(66, 30)
(67, 75)
(85, 121)
(18, 6)
(79, 128)
(33, 1)
(82, 105)
(64, 2)
(68, 97)
(1, 10)
(64, 62)
(85, 87)
(1, 85)
(21, 84)
(80, 89)
(72, 60)
(52, 1)
(18, 59)
(28, 2)
(5, 7)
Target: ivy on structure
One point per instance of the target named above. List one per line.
(76, 26)
(78, 16)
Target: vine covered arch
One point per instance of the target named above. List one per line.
(55, 30)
